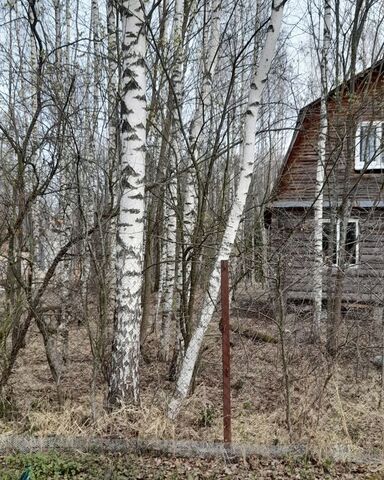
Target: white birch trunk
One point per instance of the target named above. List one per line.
(160, 297)
(68, 18)
(209, 63)
(112, 95)
(320, 177)
(169, 282)
(58, 32)
(176, 91)
(247, 160)
(124, 382)
(112, 88)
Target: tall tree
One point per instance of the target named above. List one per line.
(247, 160)
(124, 381)
(170, 249)
(320, 174)
(359, 14)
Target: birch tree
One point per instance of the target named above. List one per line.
(124, 382)
(195, 174)
(170, 247)
(320, 174)
(209, 62)
(247, 160)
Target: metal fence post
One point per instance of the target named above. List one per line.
(226, 352)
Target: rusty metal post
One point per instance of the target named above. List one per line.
(226, 354)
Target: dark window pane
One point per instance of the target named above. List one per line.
(368, 137)
(326, 232)
(327, 242)
(382, 146)
(351, 243)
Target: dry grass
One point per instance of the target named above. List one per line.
(342, 408)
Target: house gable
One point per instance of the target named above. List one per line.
(295, 186)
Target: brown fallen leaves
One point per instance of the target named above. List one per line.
(168, 467)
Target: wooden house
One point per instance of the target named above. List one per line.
(354, 183)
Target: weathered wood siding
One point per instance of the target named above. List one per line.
(297, 181)
(291, 238)
(291, 230)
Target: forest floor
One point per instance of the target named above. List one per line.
(280, 395)
(77, 466)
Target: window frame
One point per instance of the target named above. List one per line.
(337, 243)
(377, 162)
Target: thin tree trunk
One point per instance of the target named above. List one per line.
(191, 218)
(209, 63)
(247, 161)
(336, 299)
(320, 177)
(169, 301)
(113, 142)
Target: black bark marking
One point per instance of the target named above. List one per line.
(128, 170)
(124, 108)
(140, 62)
(125, 12)
(131, 85)
(128, 73)
(133, 274)
(126, 127)
(138, 196)
(126, 184)
(133, 137)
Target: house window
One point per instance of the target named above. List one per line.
(369, 153)
(327, 242)
(351, 244)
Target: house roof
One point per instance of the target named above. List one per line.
(377, 67)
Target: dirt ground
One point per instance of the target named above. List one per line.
(284, 389)
(76, 466)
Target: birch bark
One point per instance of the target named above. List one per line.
(58, 31)
(209, 63)
(247, 160)
(175, 104)
(112, 95)
(124, 382)
(320, 176)
(198, 178)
